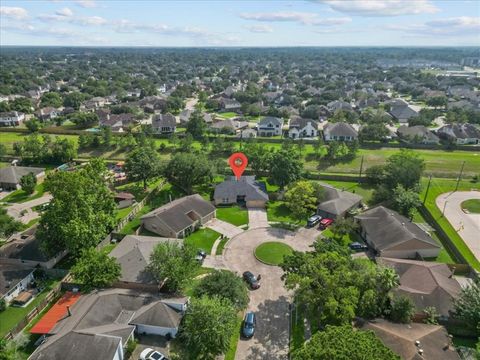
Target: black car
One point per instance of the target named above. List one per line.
(313, 220)
(248, 328)
(201, 255)
(356, 246)
(251, 280)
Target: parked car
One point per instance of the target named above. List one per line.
(201, 255)
(325, 222)
(356, 246)
(150, 354)
(249, 323)
(313, 220)
(251, 280)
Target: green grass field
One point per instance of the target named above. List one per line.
(20, 196)
(203, 239)
(472, 206)
(277, 211)
(234, 215)
(272, 252)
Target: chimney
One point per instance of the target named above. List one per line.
(68, 311)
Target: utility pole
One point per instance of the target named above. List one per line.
(460, 176)
(361, 169)
(428, 188)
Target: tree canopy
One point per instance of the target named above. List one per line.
(301, 199)
(142, 164)
(187, 170)
(28, 183)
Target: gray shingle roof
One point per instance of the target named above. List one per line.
(340, 129)
(174, 214)
(300, 123)
(460, 131)
(11, 275)
(336, 201)
(267, 120)
(402, 112)
(418, 130)
(164, 120)
(246, 186)
(13, 174)
(387, 229)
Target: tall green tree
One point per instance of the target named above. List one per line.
(8, 225)
(285, 167)
(467, 306)
(142, 164)
(207, 327)
(301, 199)
(187, 170)
(406, 201)
(28, 183)
(402, 310)
(95, 269)
(73, 100)
(196, 126)
(404, 168)
(52, 99)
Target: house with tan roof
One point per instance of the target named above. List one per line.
(336, 203)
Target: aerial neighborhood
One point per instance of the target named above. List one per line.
(130, 229)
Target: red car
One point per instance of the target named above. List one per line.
(326, 222)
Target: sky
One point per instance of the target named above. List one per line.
(268, 23)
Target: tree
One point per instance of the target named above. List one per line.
(173, 265)
(8, 225)
(258, 158)
(406, 201)
(187, 170)
(81, 212)
(467, 305)
(95, 269)
(73, 100)
(404, 168)
(28, 183)
(63, 150)
(301, 199)
(225, 285)
(52, 99)
(342, 227)
(402, 310)
(343, 342)
(3, 150)
(142, 164)
(207, 327)
(373, 132)
(285, 167)
(84, 119)
(22, 104)
(196, 125)
(33, 125)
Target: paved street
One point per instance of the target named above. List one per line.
(467, 225)
(257, 218)
(271, 301)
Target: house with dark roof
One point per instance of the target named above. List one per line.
(393, 235)
(340, 131)
(230, 104)
(11, 118)
(245, 191)
(300, 128)
(402, 111)
(338, 105)
(425, 283)
(14, 279)
(461, 134)
(270, 126)
(336, 203)
(133, 255)
(164, 124)
(418, 134)
(47, 113)
(229, 126)
(100, 324)
(180, 217)
(413, 341)
(10, 176)
(123, 199)
(118, 122)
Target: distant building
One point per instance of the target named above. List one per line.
(461, 134)
(10, 176)
(164, 124)
(229, 104)
(302, 128)
(339, 131)
(47, 113)
(270, 126)
(229, 126)
(418, 134)
(401, 111)
(11, 118)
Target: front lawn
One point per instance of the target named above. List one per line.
(272, 252)
(20, 196)
(234, 215)
(277, 211)
(472, 206)
(346, 239)
(203, 239)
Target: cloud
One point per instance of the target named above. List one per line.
(86, 3)
(16, 13)
(381, 7)
(64, 12)
(463, 25)
(66, 16)
(305, 18)
(260, 28)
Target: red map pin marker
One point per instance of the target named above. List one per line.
(238, 162)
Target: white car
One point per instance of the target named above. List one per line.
(150, 354)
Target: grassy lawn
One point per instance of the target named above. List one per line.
(230, 354)
(133, 225)
(234, 215)
(228, 115)
(438, 187)
(121, 213)
(277, 211)
(12, 315)
(297, 333)
(272, 252)
(472, 206)
(346, 239)
(203, 239)
(221, 246)
(20, 196)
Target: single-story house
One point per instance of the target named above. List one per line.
(184, 116)
(100, 324)
(393, 235)
(229, 126)
(14, 278)
(247, 134)
(339, 105)
(426, 283)
(180, 217)
(243, 191)
(229, 104)
(270, 126)
(164, 124)
(340, 131)
(301, 128)
(10, 176)
(413, 341)
(11, 118)
(123, 199)
(47, 113)
(402, 112)
(118, 122)
(418, 134)
(133, 255)
(336, 203)
(460, 133)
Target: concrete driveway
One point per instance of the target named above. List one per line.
(224, 228)
(154, 342)
(271, 301)
(466, 225)
(257, 218)
(16, 209)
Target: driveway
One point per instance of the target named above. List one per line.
(158, 343)
(257, 218)
(16, 209)
(271, 301)
(224, 228)
(466, 225)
